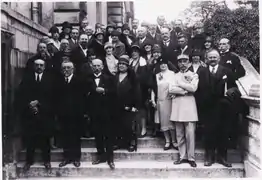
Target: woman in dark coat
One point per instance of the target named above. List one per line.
(127, 38)
(128, 102)
(97, 44)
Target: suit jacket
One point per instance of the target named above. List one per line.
(188, 51)
(70, 104)
(43, 91)
(99, 105)
(232, 62)
(156, 40)
(197, 42)
(169, 53)
(133, 34)
(72, 45)
(211, 88)
(119, 49)
(78, 58)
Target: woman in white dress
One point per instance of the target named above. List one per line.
(184, 110)
(163, 103)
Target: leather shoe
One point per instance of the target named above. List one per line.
(64, 163)
(111, 165)
(192, 163)
(98, 161)
(76, 164)
(47, 165)
(224, 162)
(166, 147)
(131, 148)
(181, 161)
(27, 167)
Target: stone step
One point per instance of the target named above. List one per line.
(145, 142)
(145, 154)
(137, 169)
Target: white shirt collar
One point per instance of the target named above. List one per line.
(211, 68)
(40, 75)
(55, 43)
(70, 77)
(84, 50)
(183, 49)
(142, 39)
(97, 75)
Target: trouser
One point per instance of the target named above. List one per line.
(217, 128)
(71, 138)
(32, 140)
(104, 146)
(185, 132)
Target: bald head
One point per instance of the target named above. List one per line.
(97, 66)
(142, 32)
(224, 45)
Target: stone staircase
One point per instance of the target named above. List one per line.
(150, 161)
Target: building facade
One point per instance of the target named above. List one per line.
(22, 25)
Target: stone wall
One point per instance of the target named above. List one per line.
(250, 140)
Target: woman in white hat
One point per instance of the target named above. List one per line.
(110, 61)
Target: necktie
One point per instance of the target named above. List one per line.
(67, 80)
(213, 70)
(38, 78)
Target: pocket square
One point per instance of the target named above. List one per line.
(224, 77)
(229, 61)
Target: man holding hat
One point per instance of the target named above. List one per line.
(36, 102)
(119, 47)
(184, 110)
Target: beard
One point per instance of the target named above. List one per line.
(178, 29)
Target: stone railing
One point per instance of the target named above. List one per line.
(250, 139)
(249, 86)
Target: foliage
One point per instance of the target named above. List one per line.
(241, 26)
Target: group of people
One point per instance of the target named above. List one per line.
(119, 76)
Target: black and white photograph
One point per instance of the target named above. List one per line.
(142, 89)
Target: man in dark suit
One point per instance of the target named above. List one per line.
(73, 41)
(168, 47)
(155, 37)
(83, 25)
(182, 46)
(80, 54)
(134, 30)
(36, 103)
(215, 84)
(230, 60)
(70, 101)
(160, 23)
(102, 89)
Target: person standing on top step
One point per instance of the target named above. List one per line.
(134, 30)
(35, 100)
(101, 90)
(184, 110)
(70, 104)
(73, 41)
(230, 60)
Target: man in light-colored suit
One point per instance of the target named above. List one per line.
(184, 110)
